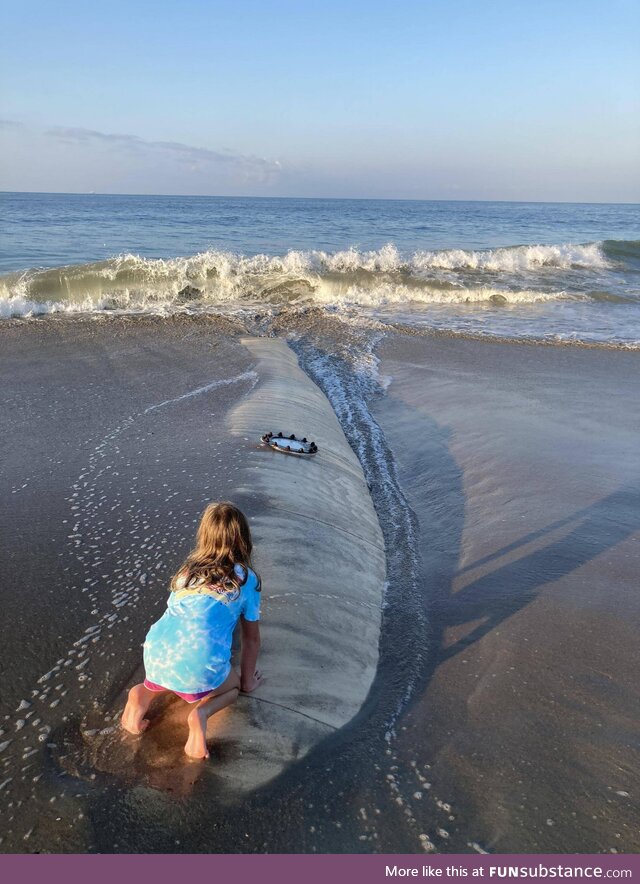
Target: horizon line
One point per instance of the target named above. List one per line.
(331, 198)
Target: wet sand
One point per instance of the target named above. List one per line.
(522, 466)
(312, 521)
(146, 422)
(107, 465)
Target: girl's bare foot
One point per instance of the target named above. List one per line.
(196, 745)
(133, 719)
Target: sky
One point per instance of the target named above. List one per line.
(410, 99)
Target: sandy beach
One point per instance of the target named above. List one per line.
(522, 466)
(502, 715)
(169, 416)
(406, 237)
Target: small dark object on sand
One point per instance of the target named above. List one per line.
(301, 447)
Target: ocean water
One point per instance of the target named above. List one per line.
(334, 274)
(553, 271)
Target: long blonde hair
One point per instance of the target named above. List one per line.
(222, 542)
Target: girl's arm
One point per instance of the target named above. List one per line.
(250, 677)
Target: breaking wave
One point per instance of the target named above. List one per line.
(220, 280)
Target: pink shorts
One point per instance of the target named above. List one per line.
(190, 698)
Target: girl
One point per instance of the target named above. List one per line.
(188, 651)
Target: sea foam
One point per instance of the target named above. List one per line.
(217, 279)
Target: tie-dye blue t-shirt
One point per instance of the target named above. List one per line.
(189, 648)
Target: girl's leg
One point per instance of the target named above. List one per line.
(138, 702)
(225, 695)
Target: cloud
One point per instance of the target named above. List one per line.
(198, 159)
(11, 124)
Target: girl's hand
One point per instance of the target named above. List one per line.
(251, 683)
